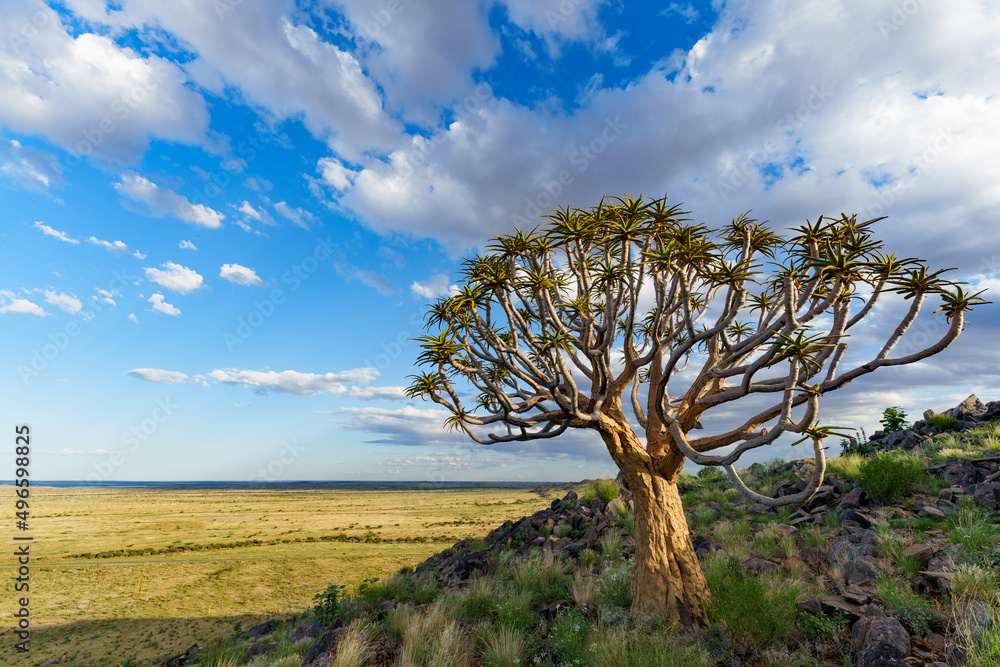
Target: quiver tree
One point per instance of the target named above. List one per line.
(559, 327)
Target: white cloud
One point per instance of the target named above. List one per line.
(258, 214)
(435, 286)
(187, 245)
(298, 216)
(65, 302)
(157, 375)
(161, 202)
(294, 382)
(352, 273)
(89, 95)
(162, 306)
(274, 61)
(132, 317)
(55, 233)
(175, 277)
(241, 275)
(335, 173)
(14, 304)
(108, 296)
(372, 393)
(114, 247)
(30, 168)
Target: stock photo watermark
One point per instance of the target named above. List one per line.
(133, 438)
(581, 158)
(263, 309)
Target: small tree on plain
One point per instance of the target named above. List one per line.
(560, 327)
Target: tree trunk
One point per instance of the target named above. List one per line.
(668, 577)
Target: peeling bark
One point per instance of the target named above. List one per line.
(668, 577)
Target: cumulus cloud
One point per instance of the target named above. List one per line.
(132, 317)
(161, 306)
(157, 375)
(175, 277)
(87, 94)
(435, 286)
(55, 233)
(11, 303)
(162, 202)
(294, 382)
(66, 302)
(187, 245)
(241, 275)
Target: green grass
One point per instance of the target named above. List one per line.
(972, 527)
(914, 612)
(887, 477)
(943, 422)
(605, 489)
(752, 613)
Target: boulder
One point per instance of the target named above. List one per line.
(987, 494)
(876, 638)
(188, 657)
(307, 630)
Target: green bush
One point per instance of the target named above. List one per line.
(943, 422)
(605, 489)
(711, 474)
(887, 478)
(752, 614)
(823, 626)
(893, 419)
(328, 603)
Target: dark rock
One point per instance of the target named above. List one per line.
(849, 515)
(813, 557)
(971, 409)
(832, 604)
(856, 551)
(907, 440)
(812, 605)
(326, 644)
(950, 494)
(596, 505)
(875, 637)
(861, 570)
(307, 630)
(921, 552)
(260, 629)
(758, 566)
(987, 494)
(261, 649)
(188, 657)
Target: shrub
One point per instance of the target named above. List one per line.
(328, 603)
(823, 626)
(711, 474)
(605, 489)
(752, 613)
(893, 420)
(887, 478)
(943, 422)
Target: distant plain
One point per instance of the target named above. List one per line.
(146, 572)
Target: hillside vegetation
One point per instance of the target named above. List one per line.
(893, 562)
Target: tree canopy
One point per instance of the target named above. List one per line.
(552, 323)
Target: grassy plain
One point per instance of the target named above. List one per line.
(178, 582)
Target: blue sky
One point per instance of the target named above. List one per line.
(221, 222)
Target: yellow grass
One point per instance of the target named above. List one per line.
(102, 611)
